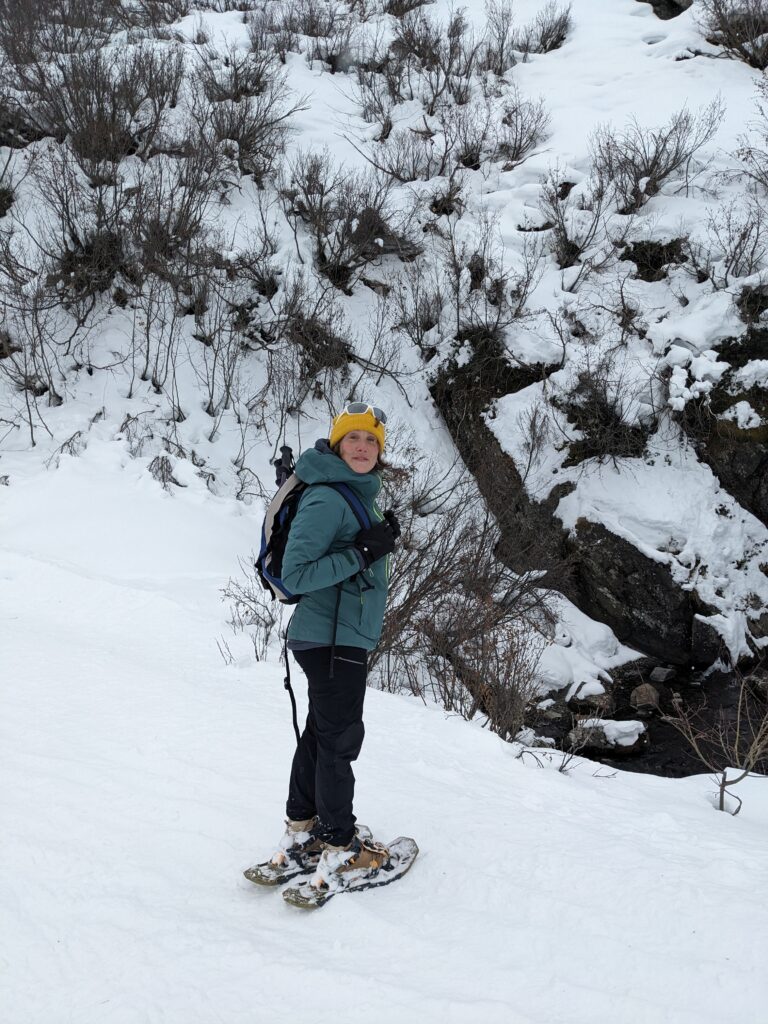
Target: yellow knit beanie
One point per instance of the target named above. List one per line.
(347, 421)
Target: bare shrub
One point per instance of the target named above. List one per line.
(736, 244)
(329, 27)
(485, 294)
(419, 153)
(251, 611)
(441, 58)
(109, 106)
(349, 215)
(740, 27)
(416, 304)
(30, 33)
(602, 406)
(172, 199)
(634, 164)
(81, 244)
(578, 226)
(220, 349)
(155, 338)
(753, 150)
(153, 14)
(524, 125)
(233, 73)
(460, 626)
(499, 47)
(377, 94)
(732, 746)
(548, 30)
(315, 326)
(400, 8)
(253, 129)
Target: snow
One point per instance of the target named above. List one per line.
(620, 734)
(141, 775)
(143, 771)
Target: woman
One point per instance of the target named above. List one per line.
(341, 573)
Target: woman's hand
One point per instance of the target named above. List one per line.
(375, 542)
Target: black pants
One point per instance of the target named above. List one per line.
(322, 780)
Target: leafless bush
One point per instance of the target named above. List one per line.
(736, 244)
(419, 153)
(233, 73)
(474, 129)
(733, 745)
(499, 48)
(173, 196)
(416, 304)
(81, 243)
(376, 95)
(30, 33)
(251, 611)
(220, 349)
(524, 125)
(152, 14)
(460, 627)
(109, 106)
(740, 27)
(41, 338)
(578, 225)
(485, 294)
(439, 59)
(634, 164)
(156, 334)
(400, 8)
(252, 130)
(328, 25)
(753, 150)
(348, 214)
(602, 406)
(548, 30)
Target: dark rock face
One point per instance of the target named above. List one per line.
(638, 599)
(666, 9)
(740, 462)
(607, 577)
(738, 456)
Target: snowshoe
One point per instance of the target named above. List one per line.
(364, 865)
(299, 852)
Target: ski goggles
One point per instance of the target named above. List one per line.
(360, 408)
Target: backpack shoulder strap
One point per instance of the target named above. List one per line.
(359, 509)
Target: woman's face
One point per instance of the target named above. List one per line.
(360, 450)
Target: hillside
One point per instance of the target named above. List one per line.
(536, 235)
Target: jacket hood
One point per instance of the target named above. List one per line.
(321, 465)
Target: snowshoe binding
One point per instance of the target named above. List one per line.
(364, 864)
(298, 852)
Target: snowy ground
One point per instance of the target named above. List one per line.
(141, 775)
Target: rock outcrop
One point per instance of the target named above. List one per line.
(606, 576)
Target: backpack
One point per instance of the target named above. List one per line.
(278, 518)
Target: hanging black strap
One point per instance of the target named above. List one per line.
(335, 628)
(289, 688)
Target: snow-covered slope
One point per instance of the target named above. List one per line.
(141, 771)
(140, 775)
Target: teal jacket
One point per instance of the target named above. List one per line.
(319, 555)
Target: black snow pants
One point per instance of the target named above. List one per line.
(322, 780)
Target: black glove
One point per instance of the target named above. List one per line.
(375, 542)
(391, 518)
